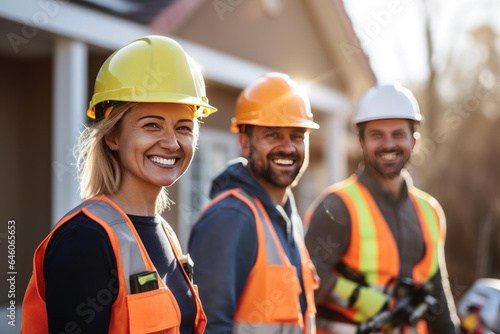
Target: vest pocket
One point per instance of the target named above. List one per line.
(153, 311)
(282, 293)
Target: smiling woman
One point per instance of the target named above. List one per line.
(154, 145)
(115, 247)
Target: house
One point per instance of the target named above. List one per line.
(51, 51)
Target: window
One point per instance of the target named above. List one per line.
(215, 149)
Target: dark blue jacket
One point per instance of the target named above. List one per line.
(223, 245)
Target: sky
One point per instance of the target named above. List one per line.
(392, 32)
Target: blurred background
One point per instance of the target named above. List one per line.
(447, 52)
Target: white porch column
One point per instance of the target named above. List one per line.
(68, 116)
(336, 149)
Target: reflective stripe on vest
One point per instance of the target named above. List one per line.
(133, 260)
(270, 301)
(428, 210)
(249, 328)
(372, 250)
(152, 311)
(327, 326)
(371, 247)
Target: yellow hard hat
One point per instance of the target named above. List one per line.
(273, 100)
(149, 69)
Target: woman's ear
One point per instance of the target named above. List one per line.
(111, 140)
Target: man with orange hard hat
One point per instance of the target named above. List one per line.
(253, 270)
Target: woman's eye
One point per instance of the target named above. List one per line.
(185, 128)
(152, 125)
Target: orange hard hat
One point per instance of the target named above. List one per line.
(273, 100)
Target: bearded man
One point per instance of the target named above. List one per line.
(252, 267)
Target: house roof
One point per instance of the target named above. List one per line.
(140, 11)
(99, 29)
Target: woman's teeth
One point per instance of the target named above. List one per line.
(162, 161)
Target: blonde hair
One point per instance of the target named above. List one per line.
(99, 168)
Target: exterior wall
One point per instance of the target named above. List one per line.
(27, 166)
(26, 163)
(288, 42)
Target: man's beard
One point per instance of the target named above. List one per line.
(392, 171)
(266, 171)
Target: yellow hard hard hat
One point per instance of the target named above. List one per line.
(149, 69)
(273, 100)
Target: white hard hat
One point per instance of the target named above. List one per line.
(385, 101)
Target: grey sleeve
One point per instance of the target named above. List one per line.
(327, 240)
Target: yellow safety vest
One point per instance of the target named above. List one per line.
(372, 250)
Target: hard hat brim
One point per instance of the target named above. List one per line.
(129, 95)
(235, 127)
(416, 118)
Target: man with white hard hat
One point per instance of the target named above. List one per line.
(376, 240)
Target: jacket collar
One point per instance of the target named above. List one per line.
(236, 175)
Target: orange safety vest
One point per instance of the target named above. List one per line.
(270, 301)
(153, 311)
(372, 249)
